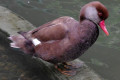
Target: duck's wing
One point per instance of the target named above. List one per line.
(54, 30)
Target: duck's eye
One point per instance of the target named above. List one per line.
(100, 14)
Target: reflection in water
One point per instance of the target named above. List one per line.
(103, 56)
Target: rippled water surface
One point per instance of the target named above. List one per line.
(103, 56)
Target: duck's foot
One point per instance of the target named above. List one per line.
(67, 72)
(69, 68)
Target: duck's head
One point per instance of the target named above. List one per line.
(96, 12)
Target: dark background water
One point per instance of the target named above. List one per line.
(104, 55)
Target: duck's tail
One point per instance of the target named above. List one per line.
(20, 41)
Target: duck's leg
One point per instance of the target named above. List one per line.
(65, 71)
(69, 68)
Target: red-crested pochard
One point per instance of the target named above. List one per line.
(64, 39)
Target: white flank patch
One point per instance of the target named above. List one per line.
(36, 42)
(92, 14)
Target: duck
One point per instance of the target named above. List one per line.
(64, 39)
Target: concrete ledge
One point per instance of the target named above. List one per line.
(11, 23)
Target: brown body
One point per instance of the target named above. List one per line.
(69, 37)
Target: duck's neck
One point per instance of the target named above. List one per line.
(90, 29)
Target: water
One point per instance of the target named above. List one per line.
(103, 56)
